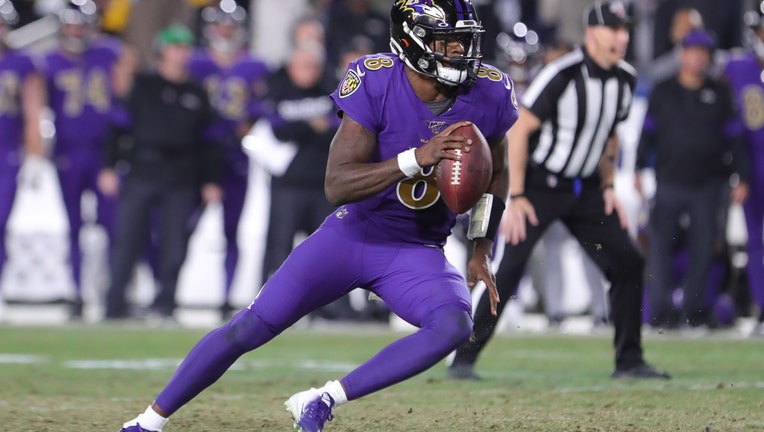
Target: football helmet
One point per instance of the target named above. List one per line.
(8, 15)
(224, 26)
(77, 20)
(79, 12)
(754, 29)
(8, 19)
(520, 54)
(417, 24)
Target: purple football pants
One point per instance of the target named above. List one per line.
(754, 218)
(416, 282)
(77, 173)
(8, 185)
(234, 183)
(235, 190)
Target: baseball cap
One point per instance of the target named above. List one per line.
(699, 38)
(175, 34)
(608, 13)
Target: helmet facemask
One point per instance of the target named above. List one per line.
(225, 27)
(223, 39)
(78, 22)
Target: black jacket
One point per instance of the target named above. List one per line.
(290, 111)
(162, 134)
(691, 134)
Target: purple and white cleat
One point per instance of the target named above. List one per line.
(310, 410)
(132, 426)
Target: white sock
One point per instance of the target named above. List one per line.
(150, 420)
(336, 391)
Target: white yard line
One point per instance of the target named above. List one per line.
(21, 359)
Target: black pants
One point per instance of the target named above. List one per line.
(293, 209)
(174, 208)
(582, 210)
(702, 205)
(296, 209)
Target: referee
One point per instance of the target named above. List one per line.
(562, 158)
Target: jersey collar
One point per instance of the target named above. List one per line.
(595, 70)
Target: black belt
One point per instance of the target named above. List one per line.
(540, 177)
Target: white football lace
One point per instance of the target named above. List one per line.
(456, 173)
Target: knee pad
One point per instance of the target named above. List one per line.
(452, 323)
(248, 330)
(626, 264)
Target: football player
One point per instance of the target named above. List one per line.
(234, 80)
(744, 72)
(387, 235)
(21, 100)
(80, 75)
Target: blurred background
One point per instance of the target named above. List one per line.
(37, 285)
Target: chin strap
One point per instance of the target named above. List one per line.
(459, 63)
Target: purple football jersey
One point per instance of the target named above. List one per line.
(80, 93)
(376, 93)
(744, 74)
(232, 89)
(15, 67)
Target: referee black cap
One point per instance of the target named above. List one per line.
(608, 13)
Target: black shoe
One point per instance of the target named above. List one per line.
(555, 321)
(227, 312)
(640, 371)
(116, 315)
(462, 373)
(600, 322)
(75, 310)
(162, 318)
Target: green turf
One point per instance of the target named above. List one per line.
(94, 378)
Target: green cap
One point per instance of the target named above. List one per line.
(176, 34)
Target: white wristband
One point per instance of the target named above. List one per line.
(407, 163)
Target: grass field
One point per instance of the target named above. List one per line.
(87, 379)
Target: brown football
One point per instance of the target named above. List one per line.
(462, 183)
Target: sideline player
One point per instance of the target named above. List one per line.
(744, 73)
(232, 78)
(80, 80)
(22, 94)
(387, 236)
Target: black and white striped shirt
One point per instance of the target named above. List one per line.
(579, 105)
